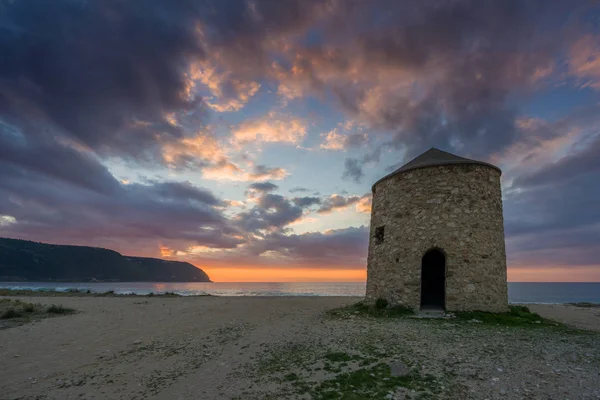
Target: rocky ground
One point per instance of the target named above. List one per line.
(280, 348)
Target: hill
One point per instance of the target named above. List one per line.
(22, 260)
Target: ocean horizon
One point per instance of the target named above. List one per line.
(518, 292)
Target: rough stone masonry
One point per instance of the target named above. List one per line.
(444, 202)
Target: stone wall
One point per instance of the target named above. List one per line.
(456, 208)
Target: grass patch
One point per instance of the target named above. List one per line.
(291, 377)
(15, 312)
(380, 309)
(339, 357)
(370, 383)
(10, 313)
(516, 316)
(29, 307)
(380, 304)
(54, 309)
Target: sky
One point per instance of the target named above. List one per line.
(243, 136)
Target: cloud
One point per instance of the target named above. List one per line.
(231, 93)
(271, 213)
(549, 200)
(306, 201)
(364, 204)
(336, 202)
(193, 152)
(335, 141)
(353, 170)
(91, 72)
(272, 128)
(584, 60)
(54, 210)
(438, 75)
(569, 167)
(43, 156)
(338, 247)
(263, 186)
(227, 170)
(298, 189)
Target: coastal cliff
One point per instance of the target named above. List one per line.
(22, 260)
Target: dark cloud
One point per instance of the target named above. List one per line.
(263, 171)
(552, 215)
(263, 186)
(345, 247)
(55, 210)
(440, 74)
(43, 156)
(335, 202)
(110, 75)
(306, 201)
(353, 170)
(354, 167)
(356, 140)
(298, 189)
(101, 73)
(182, 191)
(569, 204)
(585, 162)
(272, 212)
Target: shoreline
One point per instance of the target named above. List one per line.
(72, 292)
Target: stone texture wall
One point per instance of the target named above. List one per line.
(456, 208)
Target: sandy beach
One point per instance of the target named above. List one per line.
(278, 348)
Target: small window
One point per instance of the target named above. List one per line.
(379, 234)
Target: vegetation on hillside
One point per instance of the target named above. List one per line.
(22, 260)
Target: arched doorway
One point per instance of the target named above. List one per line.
(433, 279)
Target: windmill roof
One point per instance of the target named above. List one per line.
(434, 157)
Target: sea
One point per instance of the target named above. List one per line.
(518, 292)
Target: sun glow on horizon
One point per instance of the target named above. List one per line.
(308, 274)
(226, 274)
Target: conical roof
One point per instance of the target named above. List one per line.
(434, 157)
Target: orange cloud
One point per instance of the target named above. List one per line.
(166, 251)
(333, 141)
(226, 170)
(230, 93)
(364, 204)
(273, 128)
(202, 146)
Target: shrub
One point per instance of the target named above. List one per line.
(381, 303)
(365, 309)
(54, 309)
(29, 308)
(10, 313)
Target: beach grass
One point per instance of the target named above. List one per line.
(516, 316)
(380, 309)
(15, 312)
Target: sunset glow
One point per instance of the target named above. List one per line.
(244, 136)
